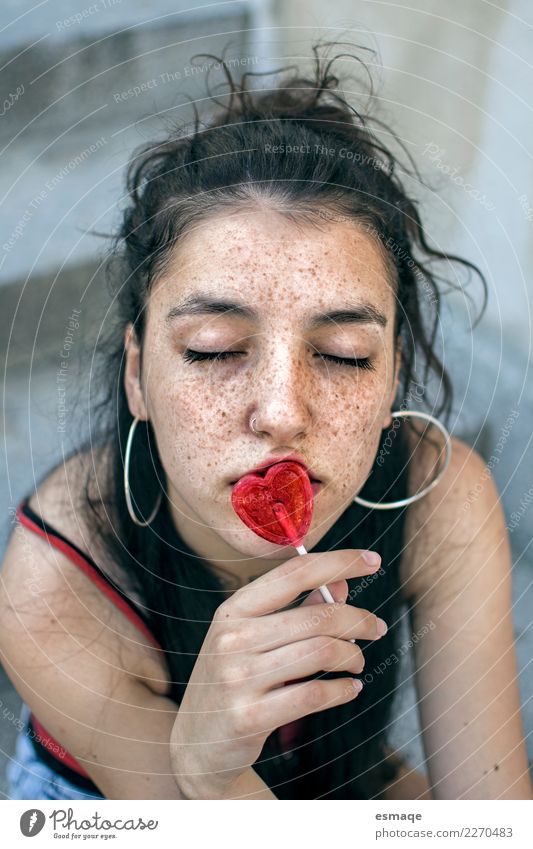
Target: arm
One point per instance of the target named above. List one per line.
(79, 663)
(250, 786)
(457, 575)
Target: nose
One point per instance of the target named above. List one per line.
(281, 406)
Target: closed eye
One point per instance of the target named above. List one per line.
(198, 356)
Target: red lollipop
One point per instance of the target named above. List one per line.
(277, 507)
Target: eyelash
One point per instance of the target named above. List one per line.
(198, 356)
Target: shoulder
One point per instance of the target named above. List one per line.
(60, 498)
(84, 671)
(47, 603)
(442, 525)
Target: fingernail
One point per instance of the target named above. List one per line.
(371, 557)
(358, 685)
(382, 627)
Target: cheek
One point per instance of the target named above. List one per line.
(187, 424)
(352, 434)
(355, 412)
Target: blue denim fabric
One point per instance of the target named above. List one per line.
(30, 778)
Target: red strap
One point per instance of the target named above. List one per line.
(90, 571)
(55, 748)
(85, 565)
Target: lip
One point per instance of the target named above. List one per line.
(315, 481)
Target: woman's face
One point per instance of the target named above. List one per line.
(281, 279)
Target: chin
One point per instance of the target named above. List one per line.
(251, 545)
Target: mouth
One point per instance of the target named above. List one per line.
(316, 484)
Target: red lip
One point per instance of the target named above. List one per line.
(278, 459)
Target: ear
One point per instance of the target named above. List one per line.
(396, 382)
(132, 374)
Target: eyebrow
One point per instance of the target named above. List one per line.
(354, 313)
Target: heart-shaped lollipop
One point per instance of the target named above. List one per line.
(277, 507)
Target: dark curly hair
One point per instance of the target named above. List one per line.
(172, 185)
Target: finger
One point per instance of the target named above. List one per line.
(340, 620)
(338, 589)
(305, 657)
(277, 588)
(294, 701)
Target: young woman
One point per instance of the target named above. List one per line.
(272, 301)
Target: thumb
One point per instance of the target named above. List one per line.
(338, 589)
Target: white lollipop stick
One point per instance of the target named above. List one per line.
(285, 522)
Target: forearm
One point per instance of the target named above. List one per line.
(247, 786)
(250, 786)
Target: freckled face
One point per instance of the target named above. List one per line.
(283, 368)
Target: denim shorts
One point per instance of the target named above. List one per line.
(30, 778)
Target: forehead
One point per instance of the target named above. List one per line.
(276, 263)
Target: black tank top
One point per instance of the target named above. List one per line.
(354, 734)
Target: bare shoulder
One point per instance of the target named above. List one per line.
(61, 501)
(47, 602)
(445, 522)
(60, 498)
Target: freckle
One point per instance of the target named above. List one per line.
(496, 766)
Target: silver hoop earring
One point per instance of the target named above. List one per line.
(381, 505)
(127, 483)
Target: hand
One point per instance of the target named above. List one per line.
(237, 695)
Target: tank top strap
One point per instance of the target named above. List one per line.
(132, 611)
